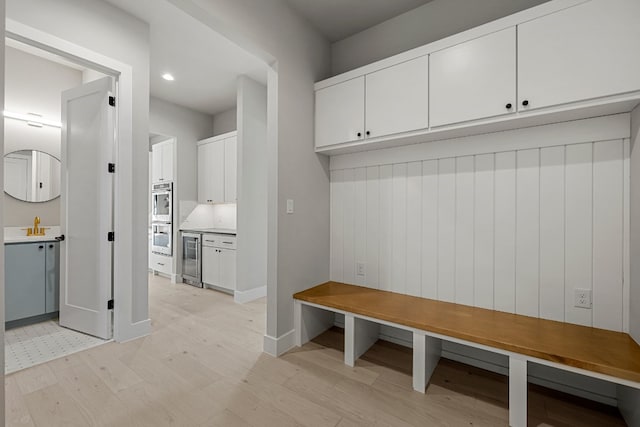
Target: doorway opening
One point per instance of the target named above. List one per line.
(57, 203)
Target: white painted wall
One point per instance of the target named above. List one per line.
(34, 85)
(515, 223)
(97, 26)
(224, 122)
(634, 319)
(252, 185)
(425, 24)
(298, 244)
(2, 66)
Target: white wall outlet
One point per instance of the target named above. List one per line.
(360, 269)
(289, 206)
(582, 298)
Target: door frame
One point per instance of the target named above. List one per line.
(125, 327)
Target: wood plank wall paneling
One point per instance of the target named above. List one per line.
(514, 231)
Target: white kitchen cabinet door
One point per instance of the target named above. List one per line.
(210, 266)
(167, 161)
(156, 163)
(230, 170)
(583, 52)
(340, 113)
(397, 98)
(211, 172)
(227, 264)
(474, 80)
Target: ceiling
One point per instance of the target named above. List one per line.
(338, 19)
(205, 64)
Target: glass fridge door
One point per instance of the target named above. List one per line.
(191, 256)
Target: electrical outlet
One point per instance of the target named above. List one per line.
(582, 298)
(360, 269)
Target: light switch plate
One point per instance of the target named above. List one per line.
(582, 298)
(289, 206)
(360, 271)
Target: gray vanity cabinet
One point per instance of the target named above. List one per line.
(31, 279)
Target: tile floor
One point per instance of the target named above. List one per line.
(32, 345)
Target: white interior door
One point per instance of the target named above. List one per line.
(86, 208)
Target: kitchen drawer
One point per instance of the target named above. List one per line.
(161, 263)
(223, 241)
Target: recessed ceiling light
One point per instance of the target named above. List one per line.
(168, 77)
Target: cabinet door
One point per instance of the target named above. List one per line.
(230, 169)
(583, 52)
(474, 80)
(211, 172)
(397, 98)
(24, 280)
(52, 277)
(227, 268)
(156, 163)
(167, 161)
(210, 266)
(340, 113)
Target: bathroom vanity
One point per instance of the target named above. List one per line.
(32, 278)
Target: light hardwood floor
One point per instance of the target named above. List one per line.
(203, 366)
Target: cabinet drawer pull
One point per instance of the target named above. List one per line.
(509, 106)
(525, 102)
(41, 247)
(160, 264)
(228, 243)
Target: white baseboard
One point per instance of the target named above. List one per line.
(243, 297)
(133, 331)
(176, 278)
(278, 346)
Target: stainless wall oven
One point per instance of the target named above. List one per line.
(162, 202)
(161, 238)
(192, 259)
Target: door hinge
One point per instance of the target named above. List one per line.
(112, 101)
(110, 304)
(112, 168)
(111, 236)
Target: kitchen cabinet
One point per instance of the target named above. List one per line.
(389, 101)
(32, 279)
(162, 162)
(161, 263)
(580, 53)
(219, 261)
(474, 80)
(217, 169)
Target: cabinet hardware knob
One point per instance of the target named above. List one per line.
(509, 106)
(368, 133)
(359, 134)
(41, 247)
(525, 102)
(50, 246)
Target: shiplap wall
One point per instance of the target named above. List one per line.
(514, 231)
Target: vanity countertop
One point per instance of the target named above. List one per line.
(19, 235)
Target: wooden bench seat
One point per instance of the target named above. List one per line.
(612, 356)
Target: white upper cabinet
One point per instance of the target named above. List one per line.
(583, 52)
(397, 98)
(474, 80)
(162, 162)
(230, 170)
(217, 169)
(340, 113)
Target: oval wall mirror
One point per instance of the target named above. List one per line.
(31, 176)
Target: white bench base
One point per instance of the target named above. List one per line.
(361, 332)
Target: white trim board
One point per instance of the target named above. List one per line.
(243, 297)
(603, 128)
(276, 347)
